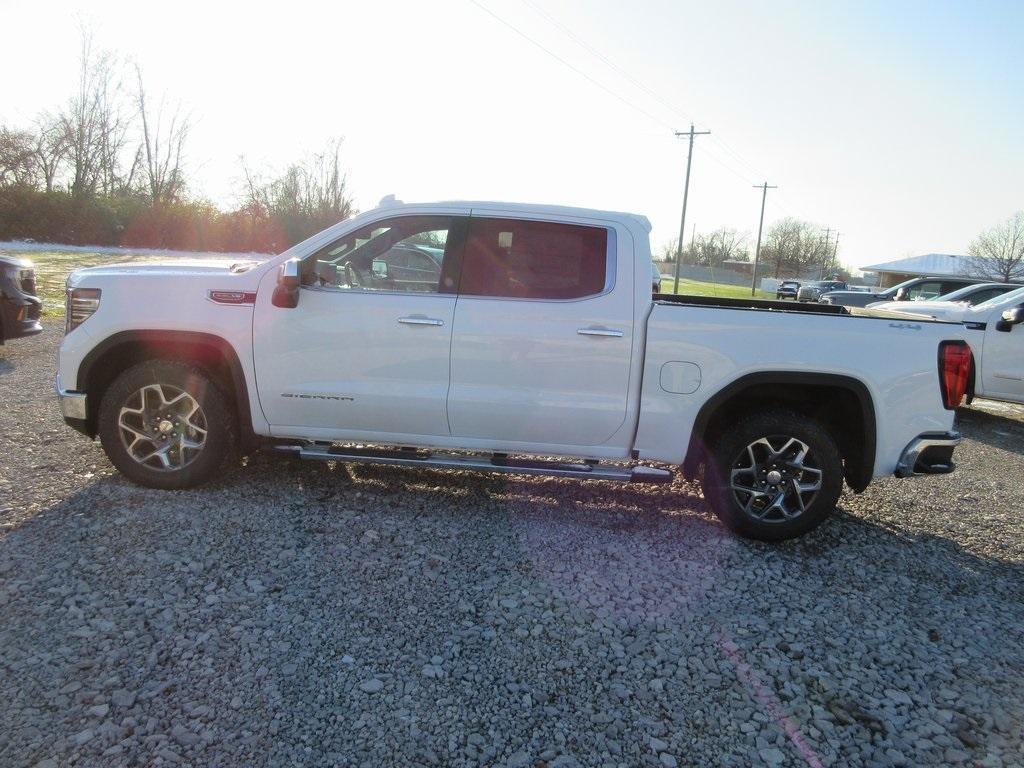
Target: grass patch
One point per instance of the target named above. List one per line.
(720, 290)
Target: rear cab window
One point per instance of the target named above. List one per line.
(524, 259)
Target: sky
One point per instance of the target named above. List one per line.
(899, 124)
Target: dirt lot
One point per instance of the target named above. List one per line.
(308, 614)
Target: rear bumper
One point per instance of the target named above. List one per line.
(928, 454)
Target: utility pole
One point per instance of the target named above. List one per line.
(686, 193)
(835, 250)
(757, 252)
(825, 259)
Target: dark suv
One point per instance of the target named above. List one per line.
(813, 291)
(787, 289)
(19, 308)
(918, 288)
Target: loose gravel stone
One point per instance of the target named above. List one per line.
(322, 614)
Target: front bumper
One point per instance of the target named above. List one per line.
(73, 407)
(20, 317)
(928, 454)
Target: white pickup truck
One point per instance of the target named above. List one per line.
(504, 338)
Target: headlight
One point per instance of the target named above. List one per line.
(80, 305)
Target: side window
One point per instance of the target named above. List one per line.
(533, 259)
(921, 291)
(980, 296)
(401, 254)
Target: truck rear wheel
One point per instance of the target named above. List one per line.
(774, 475)
(166, 424)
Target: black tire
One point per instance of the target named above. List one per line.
(217, 414)
(739, 510)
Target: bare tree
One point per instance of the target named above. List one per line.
(16, 166)
(792, 246)
(715, 248)
(306, 197)
(998, 254)
(50, 150)
(95, 127)
(163, 148)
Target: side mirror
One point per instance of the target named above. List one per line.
(286, 292)
(1010, 318)
(380, 270)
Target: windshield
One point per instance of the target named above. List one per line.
(1006, 297)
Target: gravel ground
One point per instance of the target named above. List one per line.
(314, 614)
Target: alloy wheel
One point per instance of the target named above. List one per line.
(162, 427)
(775, 479)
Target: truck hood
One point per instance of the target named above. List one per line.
(207, 268)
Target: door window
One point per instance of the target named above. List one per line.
(922, 291)
(406, 253)
(521, 259)
(981, 296)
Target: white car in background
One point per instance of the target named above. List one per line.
(968, 296)
(996, 338)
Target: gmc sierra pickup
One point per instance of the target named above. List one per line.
(536, 338)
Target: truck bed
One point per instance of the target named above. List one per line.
(790, 307)
(752, 303)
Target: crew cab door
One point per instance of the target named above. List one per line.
(543, 333)
(366, 351)
(1002, 360)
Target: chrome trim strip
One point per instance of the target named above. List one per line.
(420, 321)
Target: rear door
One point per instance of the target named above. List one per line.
(543, 332)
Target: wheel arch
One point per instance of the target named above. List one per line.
(120, 351)
(842, 402)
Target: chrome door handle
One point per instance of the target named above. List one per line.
(420, 320)
(598, 332)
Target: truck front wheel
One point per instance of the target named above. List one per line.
(166, 424)
(773, 475)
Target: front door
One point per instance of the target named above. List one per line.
(366, 351)
(542, 343)
(1002, 360)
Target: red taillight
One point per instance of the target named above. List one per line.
(954, 372)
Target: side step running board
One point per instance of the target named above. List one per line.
(409, 457)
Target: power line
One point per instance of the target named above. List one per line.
(571, 66)
(642, 86)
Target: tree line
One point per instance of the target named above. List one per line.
(789, 247)
(109, 167)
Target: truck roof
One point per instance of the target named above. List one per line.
(534, 208)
